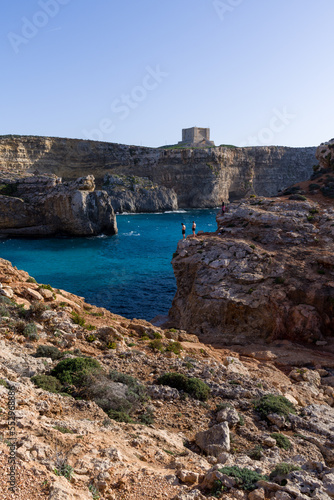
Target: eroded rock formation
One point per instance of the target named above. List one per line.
(200, 177)
(138, 194)
(267, 272)
(44, 206)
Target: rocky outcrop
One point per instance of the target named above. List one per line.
(325, 155)
(200, 177)
(267, 272)
(138, 194)
(44, 206)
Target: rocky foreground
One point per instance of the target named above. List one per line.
(112, 408)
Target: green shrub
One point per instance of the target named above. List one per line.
(30, 331)
(156, 345)
(4, 312)
(195, 387)
(77, 319)
(31, 280)
(147, 417)
(47, 382)
(4, 383)
(91, 338)
(279, 280)
(281, 440)
(8, 189)
(134, 386)
(157, 335)
(246, 479)
(45, 287)
(36, 310)
(120, 416)
(283, 469)
(76, 371)
(255, 453)
(62, 429)
(271, 403)
(174, 347)
(64, 470)
(19, 326)
(6, 300)
(198, 389)
(48, 351)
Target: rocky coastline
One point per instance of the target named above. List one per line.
(45, 206)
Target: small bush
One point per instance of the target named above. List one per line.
(174, 347)
(4, 383)
(4, 312)
(62, 429)
(47, 382)
(19, 326)
(64, 470)
(195, 387)
(246, 479)
(255, 453)
(279, 280)
(271, 403)
(134, 386)
(91, 338)
(31, 280)
(76, 371)
(147, 418)
(157, 335)
(283, 469)
(45, 287)
(36, 310)
(77, 319)
(30, 331)
(120, 416)
(156, 345)
(281, 440)
(48, 351)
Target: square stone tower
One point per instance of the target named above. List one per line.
(196, 136)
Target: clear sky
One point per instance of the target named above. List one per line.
(256, 72)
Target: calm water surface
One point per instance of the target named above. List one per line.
(129, 273)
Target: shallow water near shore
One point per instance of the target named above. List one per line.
(129, 273)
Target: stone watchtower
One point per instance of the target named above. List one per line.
(196, 137)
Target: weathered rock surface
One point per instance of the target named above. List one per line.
(267, 272)
(200, 177)
(325, 155)
(138, 194)
(44, 206)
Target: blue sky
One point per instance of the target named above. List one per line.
(256, 72)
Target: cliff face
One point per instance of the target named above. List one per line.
(138, 194)
(200, 177)
(43, 206)
(266, 273)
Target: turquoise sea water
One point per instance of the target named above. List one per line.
(129, 273)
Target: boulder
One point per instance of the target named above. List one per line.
(215, 440)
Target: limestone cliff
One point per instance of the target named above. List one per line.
(44, 206)
(138, 194)
(267, 272)
(200, 177)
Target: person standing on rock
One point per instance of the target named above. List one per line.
(194, 228)
(183, 230)
(223, 208)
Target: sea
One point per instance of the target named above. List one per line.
(129, 273)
